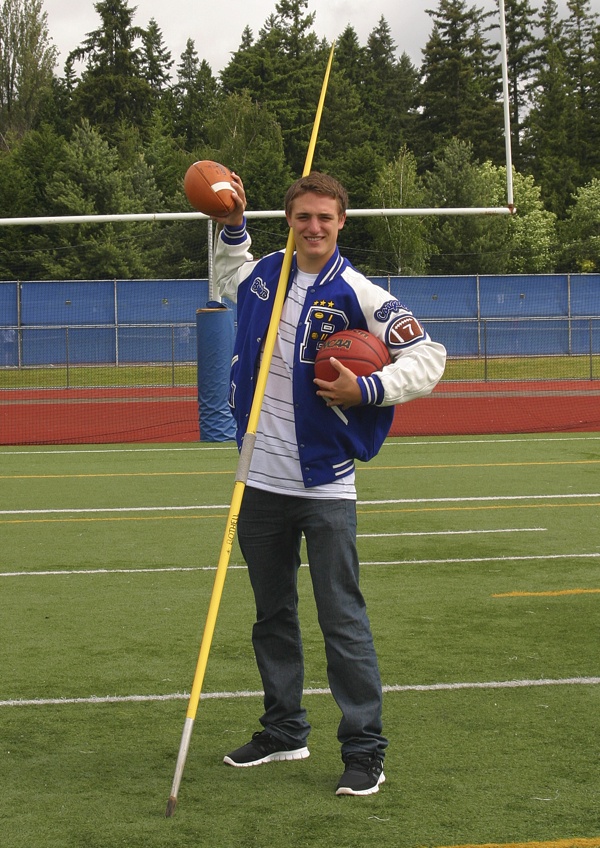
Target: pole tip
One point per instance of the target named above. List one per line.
(172, 803)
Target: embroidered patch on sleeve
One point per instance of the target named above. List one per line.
(388, 308)
(404, 331)
(259, 288)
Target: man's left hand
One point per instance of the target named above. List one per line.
(344, 391)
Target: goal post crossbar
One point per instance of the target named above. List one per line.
(183, 216)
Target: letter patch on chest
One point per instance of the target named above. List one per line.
(321, 322)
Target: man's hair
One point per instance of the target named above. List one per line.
(318, 184)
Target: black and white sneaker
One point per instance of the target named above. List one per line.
(264, 748)
(363, 775)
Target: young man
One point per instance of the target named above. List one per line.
(301, 477)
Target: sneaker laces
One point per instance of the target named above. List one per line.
(364, 762)
(265, 742)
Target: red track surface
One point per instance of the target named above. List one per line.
(480, 408)
(96, 416)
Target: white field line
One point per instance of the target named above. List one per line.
(235, 567)
(91, 571)
(387, 444)
(111, 509)
(123, 509)
(195, 449)
(451, 532)
(482, 498)
(182, 696)
(460, 561)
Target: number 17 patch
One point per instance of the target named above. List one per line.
(404, 331)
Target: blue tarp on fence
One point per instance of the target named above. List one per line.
(120, 321)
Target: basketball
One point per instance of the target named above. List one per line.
(358, 350)
(208, 187)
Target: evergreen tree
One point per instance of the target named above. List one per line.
(580, 29)
(16, 199)
(89, 179)
(195, 93)
(39, 155)
(245, 135)
(168, 161)
(520, 49)
(249, 69)
(549, 143)
(27, 61)
(351, 58)
(460, 88)
(489, 244)
(283, 69)
(389, 92)
(113, 87)
(156, 60)
(463, 244)
(347, 150)
(592, 116)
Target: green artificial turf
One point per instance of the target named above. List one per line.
(469, 763)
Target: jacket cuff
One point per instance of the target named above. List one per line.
(371, 389)
(231, 234)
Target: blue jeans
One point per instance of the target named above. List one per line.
(270, 528)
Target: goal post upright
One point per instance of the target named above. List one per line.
(506, 105)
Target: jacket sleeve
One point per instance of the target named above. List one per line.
(232, 261)
(417, 362)
(413, 373)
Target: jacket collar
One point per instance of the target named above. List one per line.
(332, 267)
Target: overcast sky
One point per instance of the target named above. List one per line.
(216, 27)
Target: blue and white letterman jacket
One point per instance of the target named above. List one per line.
(341, 298)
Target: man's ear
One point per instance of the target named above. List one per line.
(342, 221)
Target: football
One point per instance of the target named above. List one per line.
(208, 187)
(358, 350)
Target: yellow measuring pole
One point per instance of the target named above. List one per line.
(242, 475)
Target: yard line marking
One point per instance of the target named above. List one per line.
(548, 594)
(111, 509)
(111, 474)
(476, 508)
(451, 532)
(536, 557)
(91, 571)
(198, 449)
(224, 506)
(235, 566)
(576, 842)
(117, 518)
(484, 498)
(436, 466)
(496, 684)
(180, 696)
(222, 515)
(478, 499)
(358, 469)
(389, 443)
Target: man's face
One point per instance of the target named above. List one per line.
(315, 221)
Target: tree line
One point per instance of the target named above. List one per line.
(117, 130)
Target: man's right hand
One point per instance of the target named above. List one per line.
(236, 217)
